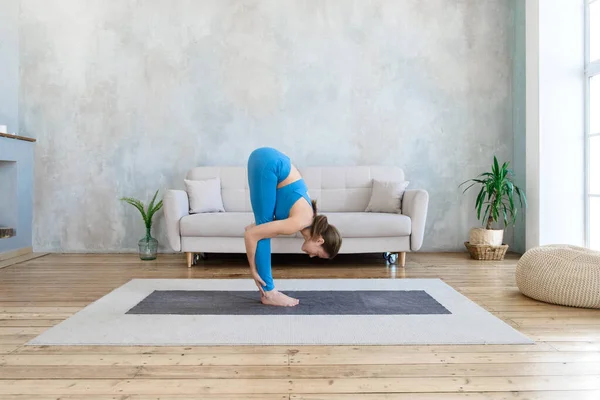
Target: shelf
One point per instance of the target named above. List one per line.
(7, 232)
(17, 137)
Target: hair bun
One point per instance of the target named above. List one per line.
(320, 225)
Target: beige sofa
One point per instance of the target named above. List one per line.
(342, 194)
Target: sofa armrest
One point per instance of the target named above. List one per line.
(414, 205)
(176, 206)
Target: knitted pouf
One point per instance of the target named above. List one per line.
(560, 274)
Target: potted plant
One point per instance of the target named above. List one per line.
(497, 193)
(147, 245)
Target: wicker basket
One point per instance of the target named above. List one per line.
(486, 252)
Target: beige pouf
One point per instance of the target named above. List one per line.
(561, 274)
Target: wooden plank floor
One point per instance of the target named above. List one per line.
(39, 293)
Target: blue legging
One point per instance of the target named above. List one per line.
(267, 167)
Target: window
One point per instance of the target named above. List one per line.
(592, 70)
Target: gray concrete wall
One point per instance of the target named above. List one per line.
(126, 96)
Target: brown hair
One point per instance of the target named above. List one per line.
(331, 236)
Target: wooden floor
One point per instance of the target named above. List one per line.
(37, 294)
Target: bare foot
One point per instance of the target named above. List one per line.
(275, 298)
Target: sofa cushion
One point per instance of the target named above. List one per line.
(351, 224)
(363, 224)
(227, 224)
(204, 195)
(386, 196)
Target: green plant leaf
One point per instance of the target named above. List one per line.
(495, 167)
(137, 204)
(522, 197)
(490, 189)
(150, 212)
(155, 209)
(494, 210)
(467, 181)
(509, 186)
(158, 206)
(479, 201)
(151, 205)
(504, 173)
(511, 201)
(470, 186)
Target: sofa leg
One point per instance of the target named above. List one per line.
(402, 258)
(190, 257)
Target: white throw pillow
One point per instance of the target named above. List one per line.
(204, 195)
(386, 196)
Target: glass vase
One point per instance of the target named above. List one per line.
(148, 247)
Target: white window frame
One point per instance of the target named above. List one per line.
(591, 69)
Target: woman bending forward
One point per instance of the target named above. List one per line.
(282, 206)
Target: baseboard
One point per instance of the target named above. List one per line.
(22, 255)
(15, 253)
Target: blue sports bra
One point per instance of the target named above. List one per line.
(287, 196)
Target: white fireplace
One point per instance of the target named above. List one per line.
(16, 193)
(8, 199)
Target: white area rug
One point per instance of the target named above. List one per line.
(106, 322)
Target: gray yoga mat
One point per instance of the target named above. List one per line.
(320, 302)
